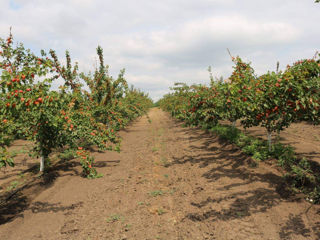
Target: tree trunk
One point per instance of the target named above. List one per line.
(42, 161)
(269, 140)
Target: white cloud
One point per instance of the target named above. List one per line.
(160, 42)
(215, 31)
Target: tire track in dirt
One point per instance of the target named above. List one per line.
(169, 182)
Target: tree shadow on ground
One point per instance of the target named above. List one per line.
(16, 170)
(13, 203)
(295, 226)
(40, 207)
(242, 204)
(102, 164)
(225, 161)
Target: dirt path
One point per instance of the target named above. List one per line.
(168, 182)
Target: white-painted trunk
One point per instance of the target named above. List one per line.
(234, 124)
(42, 159)
(269, 141)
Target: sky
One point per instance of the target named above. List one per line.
(167, 41)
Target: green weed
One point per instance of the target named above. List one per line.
(13, 185)
(115, 218)
(156, 193)
(160, 211)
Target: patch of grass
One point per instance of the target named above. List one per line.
(241, 214)
(67, 154)
(314, 195)
(98, 175)
(166, 175)
(128, 227)
(13, 185)
(21, 175)
(140, 203)
(156, 193)
(149, 120)
(154, 149)
(14, 153)
(115, 218)
(160, 211)
(164, 161)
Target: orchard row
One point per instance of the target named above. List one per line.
(68, 118)
(273, 100)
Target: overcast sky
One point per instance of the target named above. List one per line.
(167, 41)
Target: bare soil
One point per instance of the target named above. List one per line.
(169, 182)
